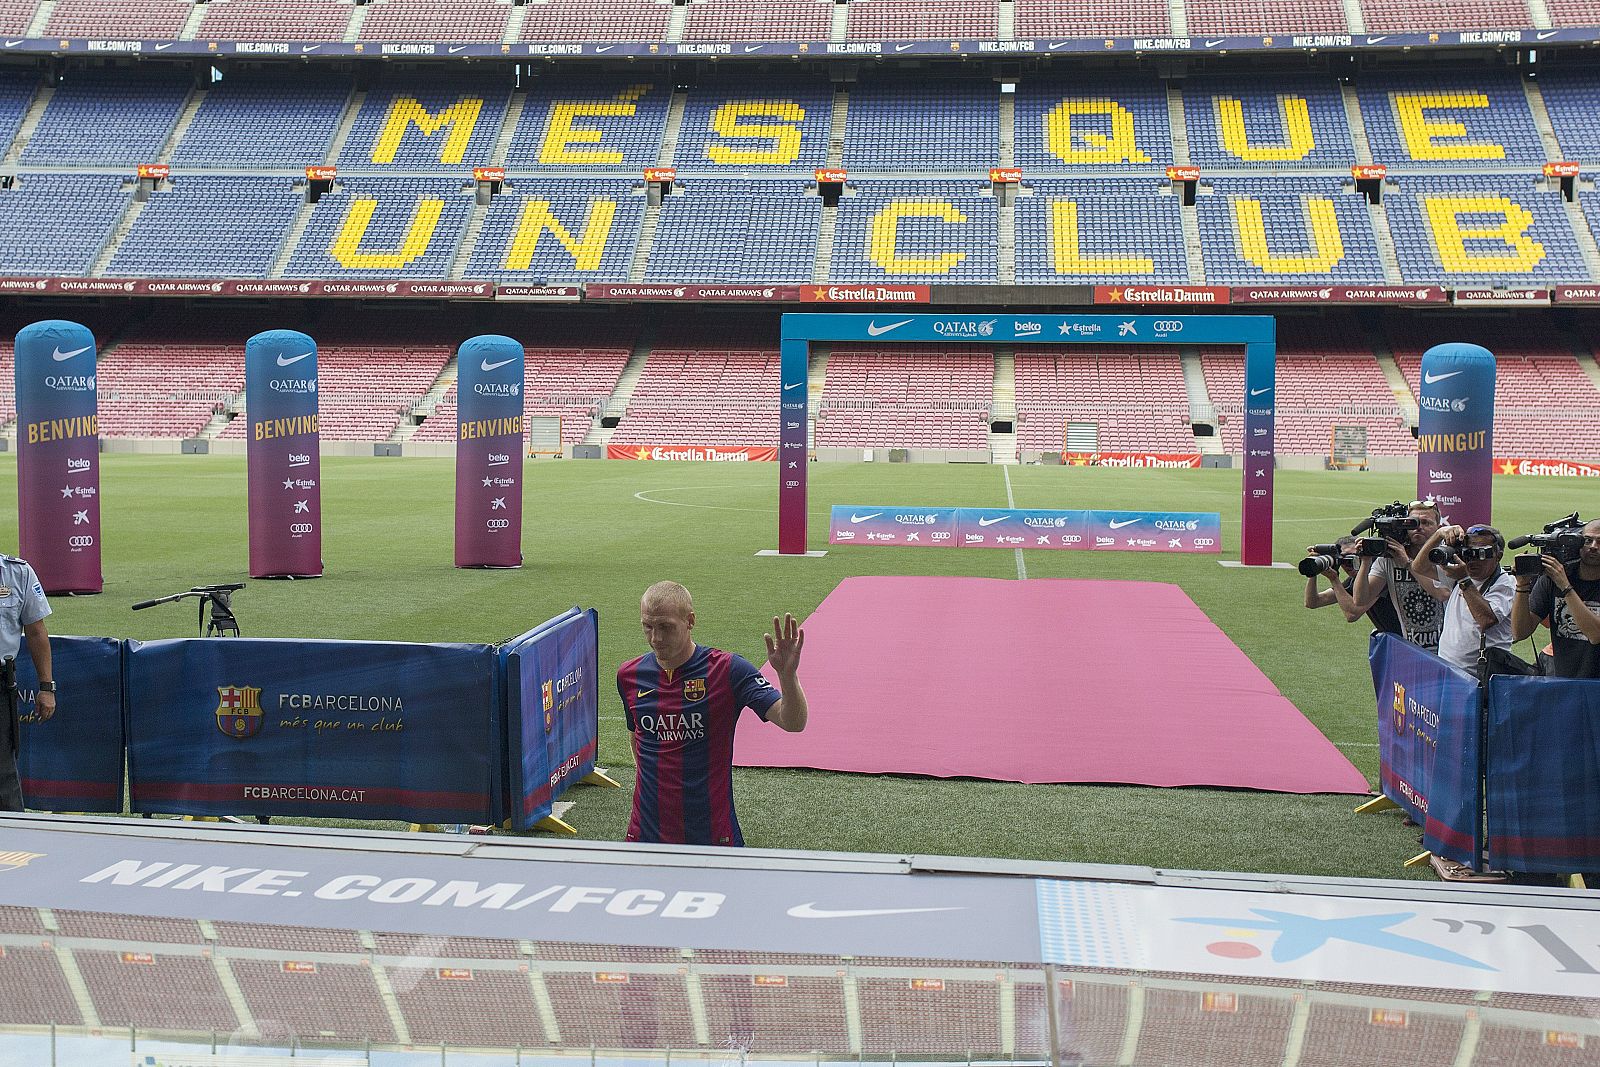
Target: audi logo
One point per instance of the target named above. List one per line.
(1204, 542)
(80, 541)
(1168, 326)
(300, 527)
(1071, 539)
(498, 524)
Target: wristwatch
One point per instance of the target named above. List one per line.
(47, 687)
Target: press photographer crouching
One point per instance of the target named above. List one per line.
(1396, 553)
(1561, 587)
(1338, 561)
(1475, 589)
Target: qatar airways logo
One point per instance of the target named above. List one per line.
(293, 385)
(70, 383)
(498, 389)
(1445, 404)
(964, 327)
(1177, 524)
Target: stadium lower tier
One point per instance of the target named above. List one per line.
(675, 378)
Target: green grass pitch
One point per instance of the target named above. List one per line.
(596, 533)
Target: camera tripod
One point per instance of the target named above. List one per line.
(223, 622)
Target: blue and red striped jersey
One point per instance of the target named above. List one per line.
(682, 725)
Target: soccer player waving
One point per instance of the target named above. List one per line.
(682, 702)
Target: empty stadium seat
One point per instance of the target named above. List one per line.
(710, 396)
(436, 120)
(1310, 231)
(1294, 122)
(1090, 18)
(1482, 231)
(103, 118)
(1572, 97)
(753, 232)
(560, 119)
(558, 231)
(900, 233)
(265, 121)
(1135, 398)
(435, 20)
(383, 228)
(906, 396)
(775, 20)
(930, 125)
(134, 19)
(597, 20)
(57, 223)
(209, 227)
(1250, 17)
(1099, 233)
(886, 20)
(1412, 15)
(276, 20)
(765, 125)
(1449, 119)
(1066, 125)
(16, 15)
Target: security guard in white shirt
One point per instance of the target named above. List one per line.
(23, 609)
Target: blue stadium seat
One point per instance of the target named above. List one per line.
(1314, 231)
(57, 223)
(752, 231)
(497, 254)
(99, 118)
(395, 242)
(1126, 232)
(209, 227)
(265, 121)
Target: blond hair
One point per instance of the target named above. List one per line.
(668, 596)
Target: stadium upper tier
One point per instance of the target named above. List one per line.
(501, 21)
(1465, 202)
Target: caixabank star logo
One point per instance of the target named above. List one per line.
(239, 710)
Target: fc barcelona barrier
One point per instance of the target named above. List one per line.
(1539, 808)
(375, 730)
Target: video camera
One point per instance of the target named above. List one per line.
(1391, 521)
(1562, 539)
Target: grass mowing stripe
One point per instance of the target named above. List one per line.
(1011, 502)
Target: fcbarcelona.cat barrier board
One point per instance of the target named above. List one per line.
(1257, 333)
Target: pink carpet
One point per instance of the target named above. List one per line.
(1054, 680)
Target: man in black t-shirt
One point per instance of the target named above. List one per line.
(1381, 615)
(1568, 599)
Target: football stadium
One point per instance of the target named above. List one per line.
(363, 362)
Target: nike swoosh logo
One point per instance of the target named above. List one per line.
(1055, 45)
(863, 518)
(1546, 35)
(1213, 44)
(793, 385)
(309, 48)
(809, 910)
(13, 44)
(1429, 379)
(292, 359)
(1258, 392)
(1117, 524)
(903, 47)
(162, 47)
(874, 330)
(754, 47)
(604, 48)
(458, 48)
(60, 356)
(991, 522)
(643, 693)
(486, 365)
(1375, 40)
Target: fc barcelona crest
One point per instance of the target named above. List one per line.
(239, 710)
(1399, 709)
(694, 689)
(548, 694)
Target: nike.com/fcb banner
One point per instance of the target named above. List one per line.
(552, 677)
(1128, 531)
(1428, 739)
(75, 761)
(489, 453)
(1543, 790)
(353, 729)
(1455, 432)
(285, 455)
(58, 456)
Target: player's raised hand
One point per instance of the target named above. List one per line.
(783, 650)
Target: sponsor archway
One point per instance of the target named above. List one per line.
(1257, 333)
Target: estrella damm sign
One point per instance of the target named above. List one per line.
(239, 710)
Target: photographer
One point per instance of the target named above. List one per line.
(1421, 615)
(22, 613)
(1567, 597)
(1381, 614)
(1477, 603)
